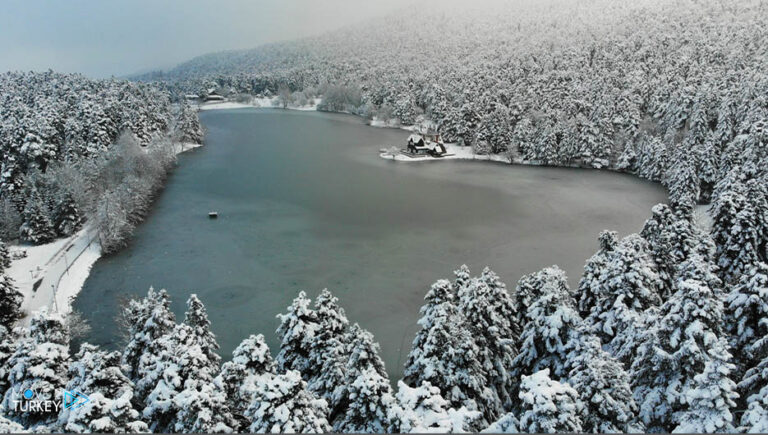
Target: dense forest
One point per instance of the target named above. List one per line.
(666, 330)
(74, 148)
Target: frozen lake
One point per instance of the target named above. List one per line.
(305, 203)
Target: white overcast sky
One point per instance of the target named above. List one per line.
(101, 38)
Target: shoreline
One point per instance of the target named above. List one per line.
(50, 276)
(59, 282)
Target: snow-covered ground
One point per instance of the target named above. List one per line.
(454, 152)
(51, 275)
(265, 102)
(702, 217)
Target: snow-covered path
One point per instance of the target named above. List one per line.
(51, 274)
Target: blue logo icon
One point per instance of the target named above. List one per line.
(74, 399)
(28, 394)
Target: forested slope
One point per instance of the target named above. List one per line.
(63, 157)
(666, 329)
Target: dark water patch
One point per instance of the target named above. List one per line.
(305, 203)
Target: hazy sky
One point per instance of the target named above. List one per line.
(115, 37)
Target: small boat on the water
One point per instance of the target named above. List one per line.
(213, 215)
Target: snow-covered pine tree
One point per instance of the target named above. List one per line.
(66, 217)
(185, 397)
(296, 333)
(710, 401)
(328, 350)
(444, 354)
(461, 278)
(707, 156)
(8, 426)
(8, 343)
(197, 319)
(755, 419)
(504, 308)
(423, 409)
(251, 358)
(147, 320)
(529, 289)
(628, 158)
(630, 285)
(109, 408)
(39, 363)
(687, 335)
(603, 387)
(672, 237)
(202, 408)
(5, 257)
(188, 129)
(491, 318)
(370, 401)
(682, 181)
(10, 297)
(652, 158)
(656, 232)
(366, 397)
(754, 388)
(508, 423)
(548, 406)
(736, 230)
(37, 227)
(160, 380)
(589, 289)
(746, 311)
(282, 404)
(552, 323)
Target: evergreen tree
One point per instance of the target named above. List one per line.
(370, 403)
(491, 316)
(589, 286)
(548, 406)
(755, 419)
(8, 343)
(250, 359)
(67, 217)
(188, 129)
(148, 320)
(197, 319)
(109, 408)
(629, 286)
(683, 182)
(423, 409)
(529, 289)
(687, 335)
(10, 298)
(8, 426)
(710, 401)
(552, 323)
(444, 354)
(367, 396)
(39, 363)
(462, 278)
(296, 333)
(736, 231)
(508, 423)
(328, 350)
(282, 404)
(746, 311)
(603, 387)
(185, 397)
(37, 228)
(202, 408)
(5, 257)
